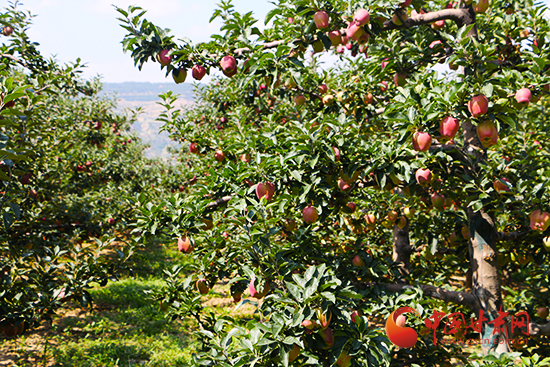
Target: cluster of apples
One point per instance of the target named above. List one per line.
(180, 74)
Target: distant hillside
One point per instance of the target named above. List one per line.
(145, 95)
(148, 92)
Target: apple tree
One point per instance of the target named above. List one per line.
(336, 194)
(70, 169)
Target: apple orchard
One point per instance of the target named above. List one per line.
(330, 196)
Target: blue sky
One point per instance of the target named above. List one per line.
(89, 29)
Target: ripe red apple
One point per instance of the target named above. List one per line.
(198, 72)
(310, 214)
(523, 96)
(229, 65)
(184, 245)
(356, 313)
(245, 157)
(542, 312)
(179, 75)
(7, 31)
(448, 127)
(384, 86)
(335, 37)
(368, 98)
(438, 24)
(111, 221)
(265, 189)
(219, 155)
(344, 185)
(352, 206)
(438, 201)
(371, 221)
(328, 99)
(97, 125)
(400, 79)
(336, 154)
(254, 293)
(478, 105)
(361, 17)
(405, 3)
(308, 324)
(421, 141)
(322, 88)
(194, 148)
(423, 176)
(164, 58)
(354, 31)
(358, 261)
(487, 133)
(202, 286)
(501, 187)
(299, 100)
(539, 220)
(321, 19)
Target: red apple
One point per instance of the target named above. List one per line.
(542, 312)
(422, 141)
(97, 125)
(352, 206)
(7, 31)
(358, 261)
(487, 133)
(321, 19)
(184, 245)
(245, 157)
(229, 65)
(356, 313)
(308, 324)
(198, 72)
(164, 58)
(322, 89)
(254, 293)
(423, 176)
(371, 221)
(299, 100)
(202, 286)
(219, 155)
(289, 224)
(25, 179)
(448, 128)
(523, 96)
(384, 86)
(179, 75)
(194, 148)
(310, 214)
(500, 186)
(265, 189)
(539, 220)
(111, 221)
(361, 17)
(336, 154)
(354, 32)
(438, 24)
(335, 37)
(368, 98)
(478, 105)
(405, 3)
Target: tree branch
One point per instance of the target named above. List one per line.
(460, 16)
(218, 202)
(461, 298)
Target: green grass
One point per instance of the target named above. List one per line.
(125, 328)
